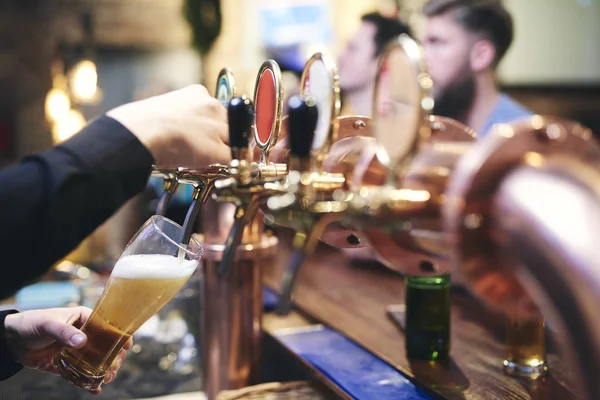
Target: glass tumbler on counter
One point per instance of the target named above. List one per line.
(525, 347)
(151, 270)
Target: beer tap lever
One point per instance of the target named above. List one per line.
(302, 120)
(240, 115)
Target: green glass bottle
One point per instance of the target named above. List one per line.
(427, 317)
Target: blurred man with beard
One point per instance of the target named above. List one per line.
(357, 65)
(464, 42)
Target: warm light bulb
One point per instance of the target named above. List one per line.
(57, 105)
(66, 127)
(84, 81)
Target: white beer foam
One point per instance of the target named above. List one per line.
(153, 266)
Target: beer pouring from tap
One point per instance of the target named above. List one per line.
(203, 180)
(169, 177)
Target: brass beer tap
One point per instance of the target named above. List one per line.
(247, 187)
(396, 184)
(250, 189)
(308, 205)
(169, 187)
(203, 179)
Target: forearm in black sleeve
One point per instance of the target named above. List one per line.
(8, 365)
(51, 201)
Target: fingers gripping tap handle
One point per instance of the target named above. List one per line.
(302, 119)
(240, 116)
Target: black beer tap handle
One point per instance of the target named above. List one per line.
(302, 122)
(240, 116)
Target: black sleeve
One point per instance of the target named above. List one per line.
(8, 365)
(51, 201)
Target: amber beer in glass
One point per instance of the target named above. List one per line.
(151, 270)
(525, 347)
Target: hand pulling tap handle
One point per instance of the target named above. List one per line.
(240, 115)
(303, 115)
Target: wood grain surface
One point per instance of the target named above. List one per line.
(352, 298)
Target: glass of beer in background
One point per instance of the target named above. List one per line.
(152, 269)
(525, 347)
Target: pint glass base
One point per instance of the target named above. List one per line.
(534, 369)
(77, 374)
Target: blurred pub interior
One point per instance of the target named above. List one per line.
(63, 62)
(143, 47)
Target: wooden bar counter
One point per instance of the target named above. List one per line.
(351, 298)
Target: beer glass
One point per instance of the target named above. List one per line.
(153, 267)
(525, 347)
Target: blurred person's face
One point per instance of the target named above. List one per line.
(447, 49)
(357, 65)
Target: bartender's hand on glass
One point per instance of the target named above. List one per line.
(36, 336)
(186, 127)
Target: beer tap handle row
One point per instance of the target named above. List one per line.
(303, 120)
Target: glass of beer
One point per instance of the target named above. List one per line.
(525, 347)
(152, 269)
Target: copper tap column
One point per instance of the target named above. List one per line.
(232, 301)
(235, 243)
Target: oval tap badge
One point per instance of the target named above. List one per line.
(268, 102)
(225, 87)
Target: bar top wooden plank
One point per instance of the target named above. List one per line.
(351, 298)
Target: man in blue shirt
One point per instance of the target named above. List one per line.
(464, 41)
